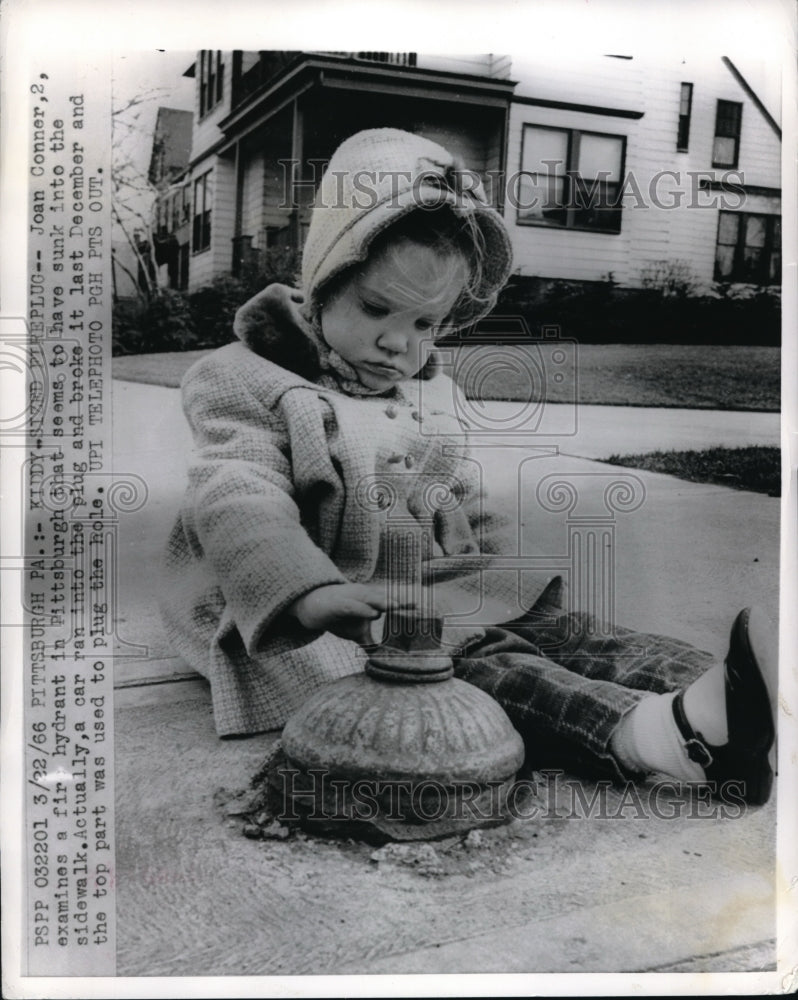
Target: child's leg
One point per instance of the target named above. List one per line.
(612, 704)
(644, 661)
(647, 738)
(566, 687)
(721, 727)
(566, 720)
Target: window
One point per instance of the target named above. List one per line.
(728, 120)
(211, 77)
(175, 211)
(162, 223)
(685, 109)
(201, 234)
(749, 248)
(570, 179)
(182, 267)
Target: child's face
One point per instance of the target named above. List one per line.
(387, 312)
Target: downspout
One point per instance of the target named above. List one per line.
(239, 210)
(297, 171)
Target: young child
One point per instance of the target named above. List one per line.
(329, 423)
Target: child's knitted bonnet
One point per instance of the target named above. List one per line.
(377, 177)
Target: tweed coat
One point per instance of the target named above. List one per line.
(295, 484)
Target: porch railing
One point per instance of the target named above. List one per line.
(270, 64)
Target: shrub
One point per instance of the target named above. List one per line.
(663, 312)
(669, 278)
(172, 321)
(127, 321)
(213, 309)
(278, 264)
(588, 311)
(161, 324)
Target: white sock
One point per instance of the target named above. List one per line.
(705, 705)
(648, 739)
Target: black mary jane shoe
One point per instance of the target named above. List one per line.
(742, 761)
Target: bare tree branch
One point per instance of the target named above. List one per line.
(151, 287)
(116, 262)
(133, 196)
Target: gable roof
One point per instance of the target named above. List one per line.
(752, 95)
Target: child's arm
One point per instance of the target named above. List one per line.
(240, 510)
(343, 608)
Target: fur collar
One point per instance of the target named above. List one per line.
(273, 324)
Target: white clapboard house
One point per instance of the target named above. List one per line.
(608, 167)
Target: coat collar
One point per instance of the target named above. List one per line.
(273, 325)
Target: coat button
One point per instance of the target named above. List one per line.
(390, 411)
(416, 416)
(409, 461)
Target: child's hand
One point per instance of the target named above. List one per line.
(342, 608)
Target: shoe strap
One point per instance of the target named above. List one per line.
(694, 743)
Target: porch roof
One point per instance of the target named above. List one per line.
(317, 70)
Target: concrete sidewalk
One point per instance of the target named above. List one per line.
(554, 893)
(683, 530)
(603, 431)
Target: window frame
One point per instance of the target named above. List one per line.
(201, 230)
(770, 247)
(175, 210)
(162, 215)
(723, 135)
(683, 126)
(183, 258)
(211, 80)
(573, 150)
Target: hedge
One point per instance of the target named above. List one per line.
(589, 312)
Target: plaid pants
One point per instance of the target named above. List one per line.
(566, 683)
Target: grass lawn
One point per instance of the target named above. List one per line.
(757, 469)
(165, 369)
(674, 375)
